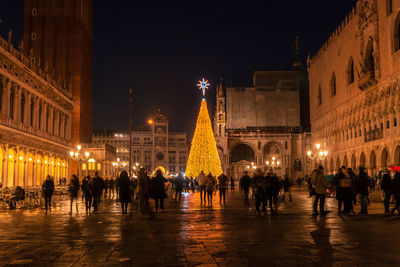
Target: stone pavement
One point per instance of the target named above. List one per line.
(189, 234)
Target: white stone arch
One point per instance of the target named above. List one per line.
(384, 157)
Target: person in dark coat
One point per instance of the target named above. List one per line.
(222, 186)
(178, 186)
(157, 190)
(244, 185)
(396, 192)
(273, 189)
(124, 191)
(143, 191)
(232, 182)
(111, 186)
(73, 190)
(286, 188)
(48, 190)
(344, 191)
(353, 177)
(260, 191)
(95, 186)
(363, 185)
(86, 193)
(386, 186)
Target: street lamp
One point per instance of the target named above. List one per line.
(273, 162)
(319, 154)
(78, 156)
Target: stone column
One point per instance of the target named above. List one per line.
(5, 166)
(16, 167)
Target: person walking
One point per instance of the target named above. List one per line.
(178, 185)
(244, 185)
(124, 191)
(210, 186)
(363, 186)
(143, 191)
(344, 191)
(396, 192)
(260, 191)
(353, 178)
(111, 188)
(232, 184)
(95, 186)
(157, 190)
(202, 179)
(286, 188)
(48, 190)
(319, 183)
(386, 186)
(272, 188)
(86, 193)
(222, 186)
(106, 187)
(73, 190)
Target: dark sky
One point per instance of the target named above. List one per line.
(162, 48)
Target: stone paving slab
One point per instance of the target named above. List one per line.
(191, 234)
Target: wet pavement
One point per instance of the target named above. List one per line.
(190, 234)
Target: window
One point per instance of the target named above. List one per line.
(389, 7)
(34, 12)
(395, 122)
(387, 124)
(369, 63)
(65, 126)
(333, 84)
(12, 97)
(396, 37)
(59, 124)
(319, 96)
(22, 107)
(32, 112)
(381, 125)
(54, 120)
(350, 72)
(33, 36)
(47, 118)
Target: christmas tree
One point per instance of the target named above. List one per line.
(203, 155)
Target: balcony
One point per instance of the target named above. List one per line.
(373, 135)
(366, 80)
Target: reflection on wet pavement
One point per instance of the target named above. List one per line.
(189, 233)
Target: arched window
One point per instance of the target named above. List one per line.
(22, 107)
(47, 118)
(220, 129)
(319, 96)
(389, 7)
(32, 112)
(54, 120)
(333, 84)
(60, 117)
(40, 116)
(12, 98)
(396, 37)
(369, 62)
(350, 71)
(221, 106)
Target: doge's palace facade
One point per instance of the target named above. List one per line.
(35, 120)
(354, 89)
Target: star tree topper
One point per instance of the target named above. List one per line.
(203, 85)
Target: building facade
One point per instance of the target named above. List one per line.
(35, 120)
(101, 159)
(265, 122)
(354, 93)
(58, 36)
(153, 146)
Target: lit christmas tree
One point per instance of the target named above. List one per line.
(203, 155)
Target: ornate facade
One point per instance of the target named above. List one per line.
(262, 122)
(152, 146)
(354, 89)
(35, 120)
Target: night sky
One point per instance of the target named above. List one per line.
(162, 48)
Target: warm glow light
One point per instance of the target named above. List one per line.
(10, 156)
(71, 153)
(63, 164)
(45, 162)
(325, 153)
(30, 159)
(321, 153)
(248, 167)
(87, 154)
(203, 155)
(277, 163)
(252, 163)
(118, 159)
(273, 158)
(150, 121)
(273, 162)
(78, 147)
(21, 158)
(137, 164)
(52, 163)
(254, 167)
(124, 164)
(38, 160)
(318, 146)
(58, 163)
(267, 162)
(92, 160)
(309, 153)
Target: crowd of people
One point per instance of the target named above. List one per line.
(348, 187)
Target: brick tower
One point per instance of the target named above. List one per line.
(58, 34)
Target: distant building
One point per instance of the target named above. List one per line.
(35, 120)
(152, 146)
(354, 89)
(266, 120)
(101, 159)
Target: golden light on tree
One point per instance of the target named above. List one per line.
(203, 155)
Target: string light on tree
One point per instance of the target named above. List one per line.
(203, 155)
